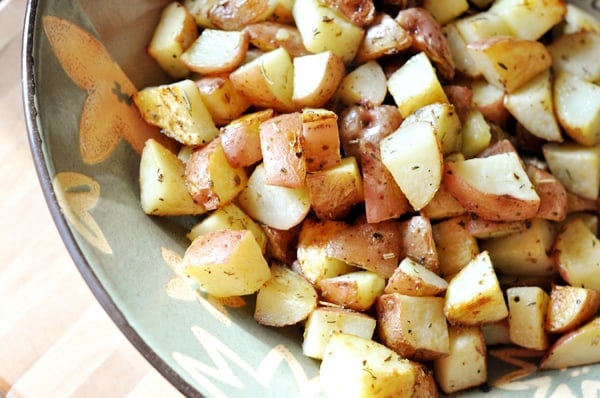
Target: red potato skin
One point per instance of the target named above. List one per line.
(383, 198)
(487, 206)
(553, 195)
(198, 177)
(321, 142)
(462, 99)
(418, 242)
(241, 139)
(282, 150)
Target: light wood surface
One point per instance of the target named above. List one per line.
(55, 339)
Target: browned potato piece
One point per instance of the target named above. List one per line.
(509, 62)
(359, 123)
(455, 245)
(223, 101)
(359, 12)
(383, 198)
(413, 279)
(374, 247)
(237, 14)
(484, 229)
(579, 347)
(443, 205)
(527, 307)
(569, 307)
(211, 180)
(270, 35)
(282, 152)
(383, 37)
(281, 244)
(462, 99)
(495, 188)
(241, 139)
(414, 327)
(355, 290)
(552, 193)
(335, 191)
(427, 36)
(417, 242)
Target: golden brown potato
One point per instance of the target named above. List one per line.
(570, 307)
(455, 245)
(355, 290)
(527, 307)
(427, 36)
(413, 279)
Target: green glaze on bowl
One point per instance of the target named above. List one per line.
(85, 142)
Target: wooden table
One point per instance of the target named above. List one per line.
(50, 324)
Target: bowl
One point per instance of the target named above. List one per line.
(82, 59)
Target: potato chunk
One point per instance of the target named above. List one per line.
(527, 308)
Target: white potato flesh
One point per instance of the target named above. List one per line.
(285, 299)
(355, 290)
(216, 51)
(366, 84)
(532, 19)
(324, 322)
(577, 53)
(576, 166)
(278, 207)
(481, 26)
(316, 78)
(445, 11)
(463, 60)
(476, 134)
(446, 121)
(355, 367)
(527, 307)
(413, 156)
(579, 347)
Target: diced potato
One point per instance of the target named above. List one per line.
(229, 217)
(226, 263)
(442, 205)
(474, 296)
(269, 35)
(532, 21)
(481, 228)
(316, 78)
(576, 252)
(552, 193)
(281, 244)
(285, 299)
(282, 152)
(465, 366)
(359, 12)
(163, 191)
(236, 14)
(383, 37)
(461, 55)
(267, 81)
(445, 11)
(576, 54)
(321, 139)
(216, 51)
(480, 26)
(495, 333)
(524, 252)
(210, 179)
(336, 190)
(278, 207)
(509, 62)
(414, 327)
(324, 322)
(578, 20)
(444, 117)
(177, 108)
(366, 84)
(577, 105)
(355, 367)
(200, 11)
(577, 167)
(383, 198)
(413, 156)
(221, 99)
(413, 279)
(355, 290)
(241, 138)
(325, 29)
(570, 307)
(416, 236)
(579, 347)
(175, 32)
(374, 247)
(415, 84)
(533, 106)
(455, 245)
(314, 262)
(476, 134)
(489, 100)
(495, 187)
(527, 307)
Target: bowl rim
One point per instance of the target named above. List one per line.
(28, 89)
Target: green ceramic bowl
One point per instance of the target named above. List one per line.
(81, 61)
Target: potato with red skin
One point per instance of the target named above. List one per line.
(241, 138)
(553, 195)
(269, 35)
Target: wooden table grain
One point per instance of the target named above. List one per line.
(55, 339)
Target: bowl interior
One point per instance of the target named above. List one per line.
(89, 172)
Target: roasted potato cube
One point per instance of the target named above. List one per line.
(241, 138)
(570, 307)
(455, 245)
(445, 11)
(226, 263)
(576, 53)
(576, 166)
(527, 307)
(324, 322)
(269, 35)
(418, 243)
(221, 99)
(383, 37)
(474, 296)
(414, 327)
(579, 347)
(444, 117)
(355, 367)
(443, 205)
(366, 84)
(285, 299)
(321, 139)
(316, 78)
(355, 290)
(489, 100)
(532, 21)
(413, 279)
(216, 51)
